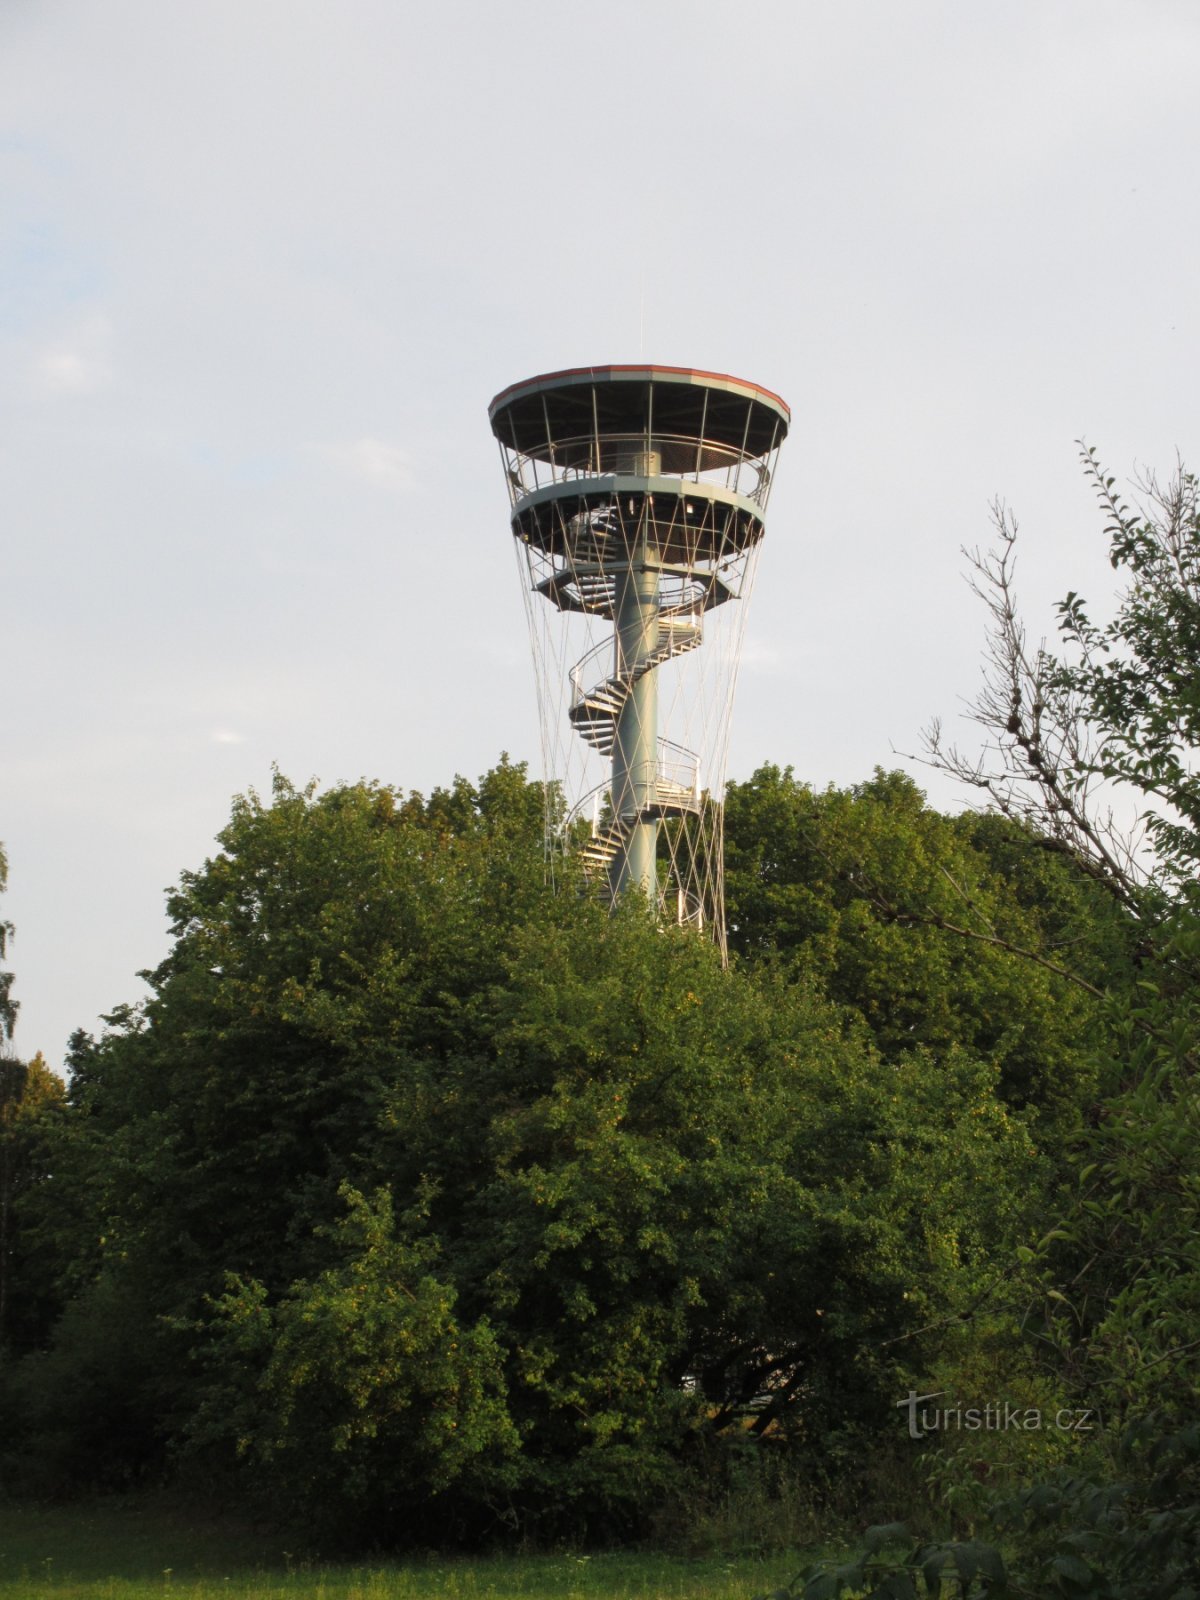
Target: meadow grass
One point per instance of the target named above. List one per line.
(135, 1551)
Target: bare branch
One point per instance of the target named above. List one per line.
(1038, 763)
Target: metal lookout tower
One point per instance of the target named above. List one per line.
(638, 498)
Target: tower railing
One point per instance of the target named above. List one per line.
(677, 456)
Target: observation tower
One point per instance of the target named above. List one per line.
(638, 500)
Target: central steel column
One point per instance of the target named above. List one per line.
(635, 742)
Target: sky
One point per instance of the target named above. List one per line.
(263, 263)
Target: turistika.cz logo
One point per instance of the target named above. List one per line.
(995, 1417)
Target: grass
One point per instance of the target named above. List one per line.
(132, 1551)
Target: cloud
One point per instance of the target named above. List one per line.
(388, 466)
(78, 364)
(226, 736)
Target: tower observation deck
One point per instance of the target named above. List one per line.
(638, 501)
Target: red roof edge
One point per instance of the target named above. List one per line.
(649, 368)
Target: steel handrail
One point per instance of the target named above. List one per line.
(664, 770)
(690, 621)
(728, 465)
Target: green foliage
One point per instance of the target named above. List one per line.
(32, 1101)
(703, 1179)
(1113, 1285)
(359, 1391)
(959, 1570)
(1070, 1537)
(334, 946)
(1135, 677)
(8, 1006)
(628, 1210)
(1116, 1280)
(939, 932)
(1133, 1537)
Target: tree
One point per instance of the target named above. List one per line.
(332, 940)
(639, 1203)
(938, 932)
(32, 1100)
(1119, 708)
(1114, 1286)
(359, 1395)
(690, 1172)
(329, 942)
(8, 1006)
(31, 1097)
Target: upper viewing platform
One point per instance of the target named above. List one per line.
(598, 420)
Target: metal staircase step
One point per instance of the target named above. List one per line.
(675, 793)
(599, 852)
(601, 736)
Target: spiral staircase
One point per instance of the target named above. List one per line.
(673, 789)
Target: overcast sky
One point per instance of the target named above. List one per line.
(265, 262)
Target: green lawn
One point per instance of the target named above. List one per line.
(130, 1552)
